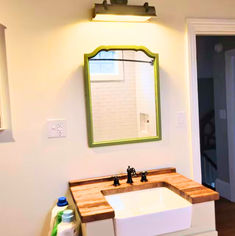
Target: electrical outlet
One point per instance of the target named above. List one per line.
(56, 128)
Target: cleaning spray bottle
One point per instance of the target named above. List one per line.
(67, 227)
(61, 205)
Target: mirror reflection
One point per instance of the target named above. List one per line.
(123, 95)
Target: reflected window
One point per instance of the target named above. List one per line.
(101, 65)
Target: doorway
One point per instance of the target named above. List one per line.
(223, 28)
(212, 71)
(213, 28)
(216, 101)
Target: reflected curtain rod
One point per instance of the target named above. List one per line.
(112, 59)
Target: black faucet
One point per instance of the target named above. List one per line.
(130, 171)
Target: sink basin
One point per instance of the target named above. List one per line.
(149, 212)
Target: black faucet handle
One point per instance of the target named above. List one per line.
(143, 176)
(116, 181)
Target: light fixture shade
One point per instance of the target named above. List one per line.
(123, 12)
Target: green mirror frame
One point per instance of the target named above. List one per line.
(87, 82)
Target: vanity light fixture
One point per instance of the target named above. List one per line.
(118, 10)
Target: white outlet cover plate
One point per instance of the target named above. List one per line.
(56, 128)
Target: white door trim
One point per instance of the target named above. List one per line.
(200, 27)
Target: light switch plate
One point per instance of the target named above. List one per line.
(56, 128)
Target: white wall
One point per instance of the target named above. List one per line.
(46, 41)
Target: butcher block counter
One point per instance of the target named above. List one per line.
(88, 194)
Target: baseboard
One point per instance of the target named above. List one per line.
(223, 188)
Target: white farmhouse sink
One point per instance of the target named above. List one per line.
(149, 212)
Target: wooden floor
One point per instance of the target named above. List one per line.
(225, 217)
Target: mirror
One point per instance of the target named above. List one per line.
(122, 95)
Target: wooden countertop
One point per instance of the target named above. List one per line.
(88, 194)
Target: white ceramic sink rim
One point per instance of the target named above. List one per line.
(147, 201)
(150, 212)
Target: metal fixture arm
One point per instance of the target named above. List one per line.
(113, 59)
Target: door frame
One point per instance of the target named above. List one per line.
(197, 27)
